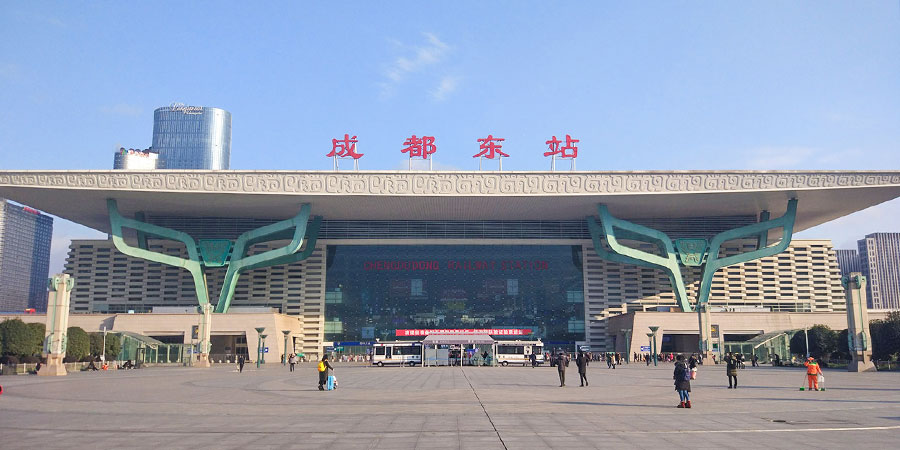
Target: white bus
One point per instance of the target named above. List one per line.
(519, 352)
(397, 352)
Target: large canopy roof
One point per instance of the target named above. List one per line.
(80, 196)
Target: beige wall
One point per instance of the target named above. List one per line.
(677, 323)
(180, 324)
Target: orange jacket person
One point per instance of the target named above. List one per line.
(812, 373)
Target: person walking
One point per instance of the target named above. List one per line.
(324, 371)
(241, 362)
(582, 362)
(292, 360)
(682, 377)
(561, 362)
(692, 365)
(754, 360)
(812, 373)
(731, 365)
(533, 359)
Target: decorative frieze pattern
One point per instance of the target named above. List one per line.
(445, 183)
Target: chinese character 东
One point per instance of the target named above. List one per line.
(345, 147)
(555, 149)
(490, 147)
(419, 147)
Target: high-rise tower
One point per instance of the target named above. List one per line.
(192, 137)
(25, 236)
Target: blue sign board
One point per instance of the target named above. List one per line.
(645, 348)
(266, 350)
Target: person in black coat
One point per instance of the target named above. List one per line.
(581, 361)
(731, 366)
(682, 377)
(561, 362)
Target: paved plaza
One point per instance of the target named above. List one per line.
(475, 407)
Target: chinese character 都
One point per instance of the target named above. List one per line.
(345, 147)
(555, 149)
(419, 146)
(490, 147)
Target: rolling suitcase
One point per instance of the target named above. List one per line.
(329, 384)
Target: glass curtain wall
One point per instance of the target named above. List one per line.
(371, 291)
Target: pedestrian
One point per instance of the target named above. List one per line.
(692, 366)
(682, 377)
(292, 360)
(812, 373)
(609, 361)
(731, 365)
(740, 358)
(241, 362)
(533, 359)
(754, 360)
(324, 371)
(582, 362)
(561, 362)
(647, 359)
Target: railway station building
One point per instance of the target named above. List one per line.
(355, 256)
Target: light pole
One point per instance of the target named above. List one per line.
(103, 355)
(653, 345)
(284, 356)
(259, 339)
(650, 345)
(627, 333)
(806, 338)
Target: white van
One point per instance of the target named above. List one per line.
(397, 352)
(519, 352)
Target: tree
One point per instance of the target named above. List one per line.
(113, 345)
(96, 343)
(886, 336)
(36, 332)
(15, 337)
(822, 342)
(843, 346)
(79, 344)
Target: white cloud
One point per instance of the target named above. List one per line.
(787, 158)
(845, 231)
(63, 233)
(416, 59)
(122, 109)
(446, 87)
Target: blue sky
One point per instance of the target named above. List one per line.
(668, 85)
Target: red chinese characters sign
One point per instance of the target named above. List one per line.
(470, 331)
(419, 147)
(566, 151)
(344, 148)
(490, 148)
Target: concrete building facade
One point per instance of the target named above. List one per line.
(25, 235)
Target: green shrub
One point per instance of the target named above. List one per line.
(79, 344)
(15, 337)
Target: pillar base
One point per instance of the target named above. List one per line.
(54, 367)
(202, 361)
(861, 366)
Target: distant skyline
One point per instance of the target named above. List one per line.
(761, 86)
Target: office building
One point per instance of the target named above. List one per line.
(132, 159)
(192, 137)
(25, 236)
(848, 261)
(879, 255)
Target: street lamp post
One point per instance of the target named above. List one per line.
(103, 355)
(627, 333)
(262, 351)
(259, 339)
(806, 338)
(284, 355)
(653, 344)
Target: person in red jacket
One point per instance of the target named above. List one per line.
(812, 373)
